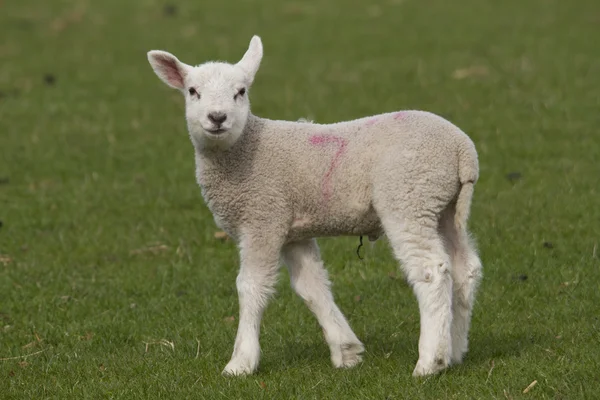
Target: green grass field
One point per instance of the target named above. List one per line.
(112, 284)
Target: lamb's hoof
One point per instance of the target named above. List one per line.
(458, 353)
(456, 359)
(348, 355)
(431, 368)
(235, 368)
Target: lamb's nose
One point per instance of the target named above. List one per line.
(217, 117)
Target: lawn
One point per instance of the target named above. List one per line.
(113, 285)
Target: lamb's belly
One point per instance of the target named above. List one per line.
(309, 226)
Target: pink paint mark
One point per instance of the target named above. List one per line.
(341, 143)
(398, 115)
(371, 121)
(320, 139)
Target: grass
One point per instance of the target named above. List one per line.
(112, 284)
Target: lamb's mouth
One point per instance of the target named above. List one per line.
(216, 131)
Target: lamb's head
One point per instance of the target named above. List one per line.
(216, 93)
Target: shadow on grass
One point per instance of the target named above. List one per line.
(314, 352)
(294, 355)
(399, 347)
(503, 346)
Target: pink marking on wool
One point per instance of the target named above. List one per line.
(319, 139)
(341, 143)
(371, 121)
(398, 115)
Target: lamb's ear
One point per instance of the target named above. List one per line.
(168, 68)
(251, 60)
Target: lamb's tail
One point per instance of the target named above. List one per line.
(468, 173)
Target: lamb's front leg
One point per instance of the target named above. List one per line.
(309, 280)
(255, 283)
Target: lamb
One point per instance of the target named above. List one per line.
(274, 186)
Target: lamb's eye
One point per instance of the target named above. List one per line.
(193, 92)
(240, 93)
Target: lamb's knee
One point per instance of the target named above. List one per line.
(434, 273)
(475, 272)
(299, 286)
(475, 269)
(309, 277)
(255, 288)
(313, 288)
(444, 267)
(473, 261)
(466, 286)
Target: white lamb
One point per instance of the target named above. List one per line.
(274, 186)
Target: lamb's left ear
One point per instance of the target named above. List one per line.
(251, 60)
(168, 68)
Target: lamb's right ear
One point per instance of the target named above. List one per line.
(168, 68)
(251, 60)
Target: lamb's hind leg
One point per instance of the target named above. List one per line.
(309, 280)
(466, 274)
(420, 249)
